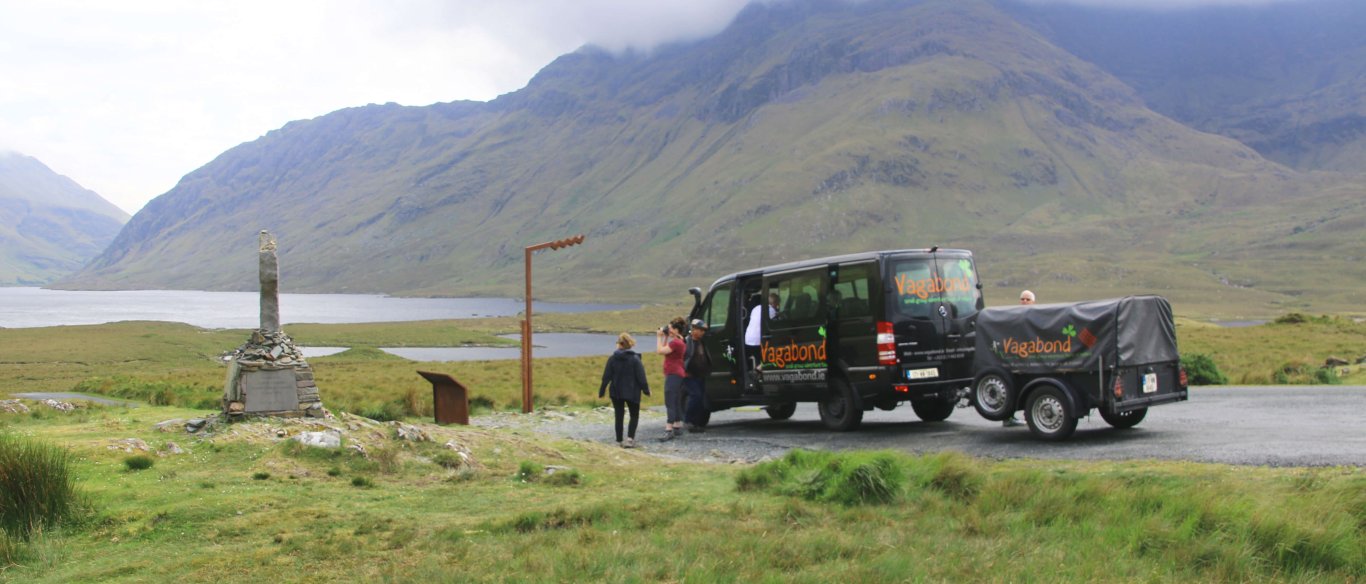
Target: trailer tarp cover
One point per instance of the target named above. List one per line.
(1081, 336)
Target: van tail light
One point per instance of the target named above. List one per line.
(1184, 381)
(886, 344)
(1119, 388)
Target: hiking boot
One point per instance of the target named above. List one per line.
(1011, 422)
(694, 429)
(668, 435)
(629, 443)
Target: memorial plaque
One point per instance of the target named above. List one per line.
(270, 390)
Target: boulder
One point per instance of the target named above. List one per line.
(12, 406)
(1334, 362)
(172, 425)
(409, 432)
(130, 445)
(320, 439)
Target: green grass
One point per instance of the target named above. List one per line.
(1277, 352)
(337, 516)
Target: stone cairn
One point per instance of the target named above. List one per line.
(267, 375)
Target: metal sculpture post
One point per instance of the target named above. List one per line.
(526, 323)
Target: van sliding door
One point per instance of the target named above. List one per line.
(794, 348)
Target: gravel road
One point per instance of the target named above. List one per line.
(1274, 426)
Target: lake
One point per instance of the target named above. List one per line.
(36, 307)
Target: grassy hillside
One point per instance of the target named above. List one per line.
(804, 129)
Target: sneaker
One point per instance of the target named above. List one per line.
(1011, 422)
(629, 443)
(668, 435)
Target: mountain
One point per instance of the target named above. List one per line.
(1288, 79)
(805, 128)
(49, 225)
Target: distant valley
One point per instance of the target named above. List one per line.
(1073, 161)
(49, 225)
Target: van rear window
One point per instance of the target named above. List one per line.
(919, 286)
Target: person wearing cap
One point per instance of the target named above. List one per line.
(696, 367)
(1026, 298)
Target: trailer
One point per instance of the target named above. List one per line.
(1057, 362)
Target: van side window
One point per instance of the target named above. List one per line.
(852, 285)
(717, 310)
(799, 298)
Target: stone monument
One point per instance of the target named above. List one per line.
(267, 375)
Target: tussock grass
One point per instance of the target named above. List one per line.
(138, 462)
(37, 489)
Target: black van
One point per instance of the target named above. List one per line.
(849, 332)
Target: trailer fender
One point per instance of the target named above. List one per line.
(1080, 410)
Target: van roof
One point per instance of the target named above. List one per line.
(847, 258)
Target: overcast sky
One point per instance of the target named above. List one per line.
(127, 96)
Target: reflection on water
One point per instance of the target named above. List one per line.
(310, 352)
(547, 345)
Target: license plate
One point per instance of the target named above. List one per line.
(922, 373)
(1150, 383)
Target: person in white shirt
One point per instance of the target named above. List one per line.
(753, 332)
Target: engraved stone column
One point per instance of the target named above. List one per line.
(270, 284)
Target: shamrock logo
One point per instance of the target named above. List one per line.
(1069, 330)
(965, 266)
(821, 332)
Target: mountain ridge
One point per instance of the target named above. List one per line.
(49, 225)
(803, 129)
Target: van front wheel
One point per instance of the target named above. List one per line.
(839, 412)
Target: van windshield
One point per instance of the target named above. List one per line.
(918, 287)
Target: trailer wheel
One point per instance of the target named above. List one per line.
(838, 411)
(993, 394)
(934, 410)
(1127, 419)
(781, 411)
(1050, 414)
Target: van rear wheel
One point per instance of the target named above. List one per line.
(1127, 419)
(838, 411)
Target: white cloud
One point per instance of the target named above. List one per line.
(126, 97)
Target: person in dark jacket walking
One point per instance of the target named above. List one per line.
(626, 376)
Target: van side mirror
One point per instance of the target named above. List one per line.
(696, 297)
